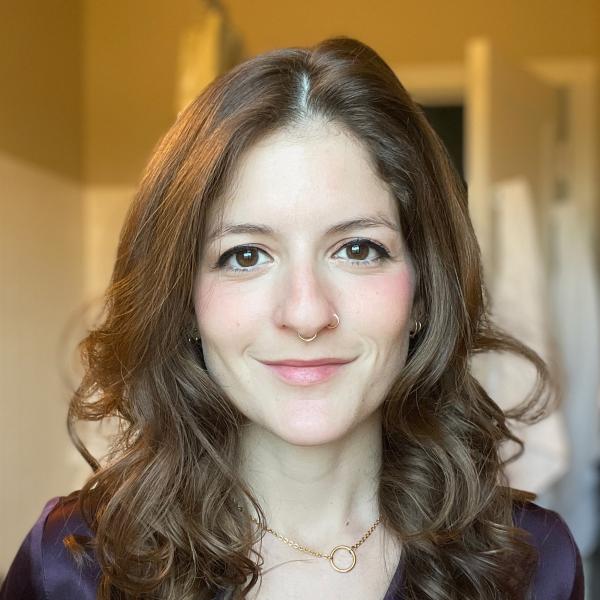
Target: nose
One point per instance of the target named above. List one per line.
(304, 304)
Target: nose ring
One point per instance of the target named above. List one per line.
(307, 339)
(337, 322)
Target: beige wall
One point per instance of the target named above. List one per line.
(104, 209)
(129, 89)
(41, 277)
(41, 257)
(40, 70)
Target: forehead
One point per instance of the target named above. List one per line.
(305, 176)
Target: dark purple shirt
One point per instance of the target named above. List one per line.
(44, 569)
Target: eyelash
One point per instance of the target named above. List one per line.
(221, 263)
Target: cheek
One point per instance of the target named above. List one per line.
(219, 312)
(226, 315)
(385, 303)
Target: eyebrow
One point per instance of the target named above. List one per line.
(341, 227)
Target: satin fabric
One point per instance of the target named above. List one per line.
(43, 568)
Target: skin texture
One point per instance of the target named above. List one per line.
(312, 452)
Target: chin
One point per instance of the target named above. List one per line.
(311, 430)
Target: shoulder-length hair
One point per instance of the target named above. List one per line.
(163, 508)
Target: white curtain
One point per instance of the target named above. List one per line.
(576, 308)
(519, 292)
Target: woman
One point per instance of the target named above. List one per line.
(287, 336)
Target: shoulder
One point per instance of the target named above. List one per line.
(559, 573)
(44, 568)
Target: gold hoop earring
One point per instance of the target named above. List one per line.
(418, 327)
(194, 336)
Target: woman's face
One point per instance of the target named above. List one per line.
(286, 258)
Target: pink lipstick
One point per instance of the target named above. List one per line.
(306, 372)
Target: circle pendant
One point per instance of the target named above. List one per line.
(352, 555)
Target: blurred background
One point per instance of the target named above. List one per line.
(90, 86)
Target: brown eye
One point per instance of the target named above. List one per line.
(358, 250)
(246, 257)
(357, 253)
(241, 259)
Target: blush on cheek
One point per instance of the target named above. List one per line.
(219, 312)
(397, 286)
(222, 310)
(387, 297)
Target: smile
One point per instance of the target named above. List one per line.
(305, 375)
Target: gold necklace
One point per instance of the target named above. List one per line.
(329, 557)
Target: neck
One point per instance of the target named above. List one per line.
(316, 495)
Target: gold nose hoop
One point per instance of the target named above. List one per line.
(337, 322)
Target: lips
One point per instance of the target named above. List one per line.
(317, 362)
(306, 372)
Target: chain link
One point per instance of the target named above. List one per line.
(298, 546)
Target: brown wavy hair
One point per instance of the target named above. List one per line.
(162, 508)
